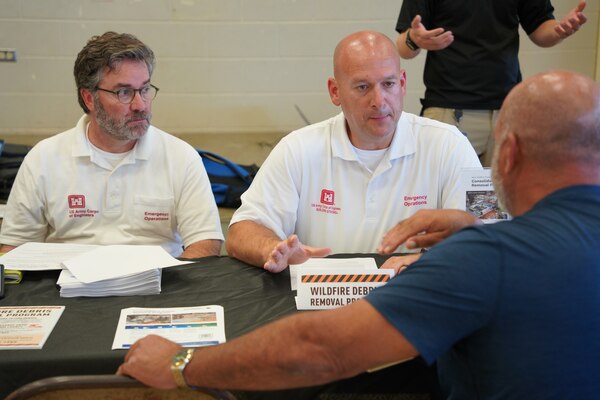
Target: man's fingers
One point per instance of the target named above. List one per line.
(416, 22)
(425, 240)
(399, 263)
(318, 251)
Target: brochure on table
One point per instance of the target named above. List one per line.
(27, 327)
(188, 326)
(479, 195)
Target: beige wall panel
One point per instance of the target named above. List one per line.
(229, 67)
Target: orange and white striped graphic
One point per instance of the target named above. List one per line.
(345, 278)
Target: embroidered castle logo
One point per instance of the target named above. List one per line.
(327, 197)
(327, 203)
(76, 201)
(77, 208)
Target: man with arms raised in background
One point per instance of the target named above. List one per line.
(473, 55)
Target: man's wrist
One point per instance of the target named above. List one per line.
(409, 42)
(179, 362)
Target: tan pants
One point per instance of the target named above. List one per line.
(477, 125)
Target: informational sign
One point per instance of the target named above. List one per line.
(320, 289)
(480, 197)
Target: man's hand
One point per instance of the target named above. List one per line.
(149, 361)
(5, 248)
(571, 22)
(425, 228)
(291, 251)
(399, 263)
(434, 39)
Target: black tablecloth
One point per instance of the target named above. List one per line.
(82, 339)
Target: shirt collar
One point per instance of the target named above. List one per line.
(403, 143)
(141, 150)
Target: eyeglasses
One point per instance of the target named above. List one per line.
(126, 95)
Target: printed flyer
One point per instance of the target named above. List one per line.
(27, 327)
(480, 197)
(188, 326)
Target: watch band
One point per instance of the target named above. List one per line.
(178, 363)
(409, 42)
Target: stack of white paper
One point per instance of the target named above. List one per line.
(146, 282)
(118, 270)
(34, 256)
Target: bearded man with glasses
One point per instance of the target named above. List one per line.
(114, 178)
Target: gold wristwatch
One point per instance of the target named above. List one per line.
(178, 363)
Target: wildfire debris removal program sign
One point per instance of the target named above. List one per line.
(327, 288)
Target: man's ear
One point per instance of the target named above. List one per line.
(333, 88)
(403, 82)
(88, 98)
(509, 156)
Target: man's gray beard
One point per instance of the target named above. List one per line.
(117, 129)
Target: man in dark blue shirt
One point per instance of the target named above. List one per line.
(509, 311)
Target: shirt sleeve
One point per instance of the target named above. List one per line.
(273, 197)
(533, 13)
(408, 11)
(197, 213)
(445, 296)
(24, 219)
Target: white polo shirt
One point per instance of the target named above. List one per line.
(159, 194)
(313, 184)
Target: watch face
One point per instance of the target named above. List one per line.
(181, 358)
(178, 363)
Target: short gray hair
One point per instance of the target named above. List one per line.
(107, 52)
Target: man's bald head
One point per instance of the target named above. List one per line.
(361, 45)
(556, 116)
(369, 86)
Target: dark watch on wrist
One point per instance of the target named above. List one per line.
(409, 42)
(178, 363)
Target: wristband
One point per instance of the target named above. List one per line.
(409, 42)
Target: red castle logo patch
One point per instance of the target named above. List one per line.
(327, 197)
(76, 201)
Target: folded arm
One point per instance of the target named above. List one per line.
(202, 248)
(5, 248)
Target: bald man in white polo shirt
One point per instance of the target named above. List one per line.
(339, 185)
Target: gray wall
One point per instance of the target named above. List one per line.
(224, 66)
